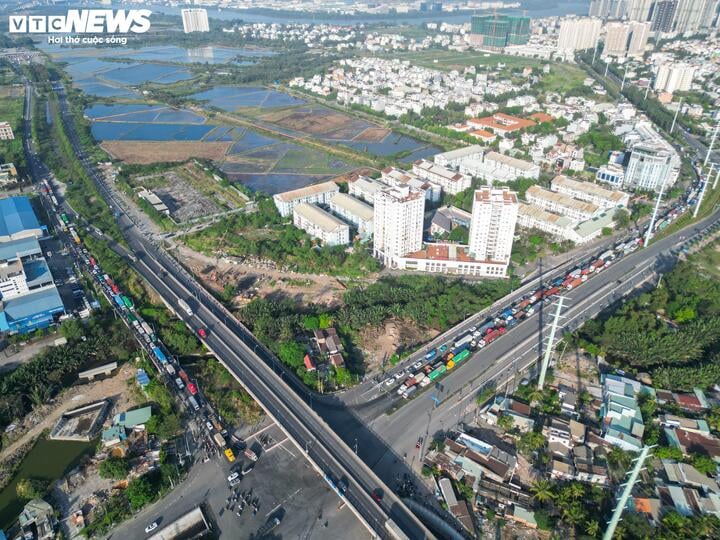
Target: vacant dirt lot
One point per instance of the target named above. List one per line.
(374, 134)
(392, 337)
(312, 122)
(144, 152)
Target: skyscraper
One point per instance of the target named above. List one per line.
(195, 20)
(675, 77)
(492, 227)
(577, 34)
(608, 9)
(639, 34)
(663, 15)
(689, 15)
(639, 10)
(617, 35)
(499, 31)
(398, 223)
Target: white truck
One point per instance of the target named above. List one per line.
(185, 307)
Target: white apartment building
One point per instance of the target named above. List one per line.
(612, 173)
(561, 204)
(455, 159)
(653, 161)
(501, 168)
(617, 35)
(450, 259)
(450, 181)
(561, 227)
(398, 223)
(492, 228)
(6, 132)
(365, 188)
(639, 34)
(195, 20)
(318, 193)
(353, 211)
(321, 225)
(397, 178)
(674, 77)
(577, 34)
(588, 192)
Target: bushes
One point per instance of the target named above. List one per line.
(116, 468)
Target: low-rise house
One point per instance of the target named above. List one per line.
(690, 442)
(446, 218)
(37, 520)
(688, 424)
(518, 411)
(558, 431)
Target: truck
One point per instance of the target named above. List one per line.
(606, 255)
(461, 356)
(146, 328)
(179, 383)
(419, 377)
(410, 391)
(183, 376)
(192, 388)
(507, 314)
(551, 292)
(466, 338)
(118, 300)
(522, 305)
(486, 327)
(229, 455)
(458, 350)
(159, 355)
(128, 303)
(194, 403)
(436, 373)
(185, 307)
(574, 283)
(219, 440)
(537, 295)
(493, 335)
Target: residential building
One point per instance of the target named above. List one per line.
(617, 35)
(663, 16)
(690, 442)
(455, 159)
(354, 211)
(621, 418)
(674, 77)
(608, 9)
(195, 20)
(639, 34)
(450, 181)
(398, 223)
(394, 177)
(8, 174)
(694, 15)
(318, 194)
(450, 259)
(321, 224)
(589, 192)
(639, 10)
(688, 424)
(492, 228)
(365, 188)
(561, 204)
(578, 34)
(6, 132)
(496, 31)
(562, 227)
(22, 268)
(650, 167)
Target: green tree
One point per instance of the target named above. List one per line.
(592, 528)
(704, 464)
(115, 468)
(140, 492)
(292, 353)
(621, 217)
(343, 377)
(530, 442)
(506, 422)
(72, 329)
(542, 490)
(311, 323)
(32, 488)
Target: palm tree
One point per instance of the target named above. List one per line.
(542, 490)
(592, 528)
(573, 514)
(576, 490)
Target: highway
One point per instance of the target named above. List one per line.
(238, 351)
(382, 445)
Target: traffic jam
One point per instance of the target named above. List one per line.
(169, 369)
(438, 361)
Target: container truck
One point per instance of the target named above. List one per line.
(551, 292)
(410, 391)
(574, 283)
(537, 295)
(522, 305)
(485, 328)
(118, 300)
(463, 347)
(185, 307)
(461, 356)
(609, 254)
(128, 303)
(466, 338)
(146, 327)
(507, 314)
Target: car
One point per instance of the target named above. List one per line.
(202, 333)
(377, 495)
(443, 348)
(150, 528)
(419, 442)
(233, 476)
(389, 381)
(417, 365)
(399, 375)
(473, 329)
(209, 426)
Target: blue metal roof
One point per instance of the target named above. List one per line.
(29, 306)
(37, 273)
(22, 247)
(16, 215)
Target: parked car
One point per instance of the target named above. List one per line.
(150, 528)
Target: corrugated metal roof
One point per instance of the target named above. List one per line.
(28, 305)
(21, 247)
(16, 215)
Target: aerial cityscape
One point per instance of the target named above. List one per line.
(324, 269)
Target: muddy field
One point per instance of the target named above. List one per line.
(394, 336)
(309, 121)
(373, 134)
(144, 152)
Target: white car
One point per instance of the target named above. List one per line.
(150, 528)
(389, 381)
(399, 375)
(417, 365)
(209, 426)
(233, 476)
(401, 390)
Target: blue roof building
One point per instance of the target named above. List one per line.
(17, 249)
(17, 220)
(38, 309)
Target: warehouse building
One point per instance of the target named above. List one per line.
(17, 220)
(321, 225)
(354, 211)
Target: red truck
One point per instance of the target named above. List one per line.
(492, 335)
(575, 283)
(522, 305)
(192, 388)
(184, 376)
(551, 292)
(537, 295)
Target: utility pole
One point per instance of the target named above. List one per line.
(549, 347)
(705, 183)
(677, 111)
(648, 235)
(617, 514)
(607, 66)
(595, 52)
(717, 175)
(623, 81)
(712, 143)
(647, 89)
